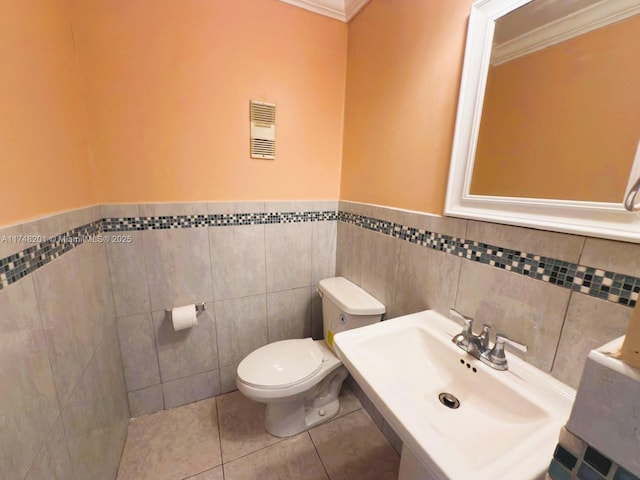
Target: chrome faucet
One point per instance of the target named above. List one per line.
(478, 345)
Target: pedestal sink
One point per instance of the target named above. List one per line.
(458, 418)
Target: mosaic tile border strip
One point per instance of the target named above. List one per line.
(575, 459)
(21, 264)
(45, 250)
(610, 286)
(127, 224)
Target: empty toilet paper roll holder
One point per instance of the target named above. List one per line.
(199, 309)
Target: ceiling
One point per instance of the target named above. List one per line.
(343, 10)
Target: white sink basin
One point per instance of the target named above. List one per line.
(507, 424)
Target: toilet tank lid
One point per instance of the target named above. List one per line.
(349, 297)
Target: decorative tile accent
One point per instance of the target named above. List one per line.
(125, 224)
(557, 472)
(43, 251)
(622, 474)
(46, 249)
(605, 285)
(585, 472)
(611, 286)
(598, 461)
(575, 459)
(565, 457)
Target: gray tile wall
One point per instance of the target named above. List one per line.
(258, 283)
(63, 401)
(68, 367)
(559, 326)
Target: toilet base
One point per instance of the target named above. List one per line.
(288, 418)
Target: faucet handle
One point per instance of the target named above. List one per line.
(501, 338)
(463, 339)
(468, 321)
(496, 356)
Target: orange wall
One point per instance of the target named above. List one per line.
(574, 103)
(168, 85)
(44, 162)
(166, 92)
(403, 77)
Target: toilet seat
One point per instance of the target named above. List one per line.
(281, 364)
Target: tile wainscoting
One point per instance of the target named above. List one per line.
(70, 340)
(255, 265)
(562, 295)
(70, 304)
(63, 403)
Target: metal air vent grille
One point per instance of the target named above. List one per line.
(263, 130)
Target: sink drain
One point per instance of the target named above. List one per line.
(449, 400)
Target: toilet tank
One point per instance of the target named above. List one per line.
(346, 306)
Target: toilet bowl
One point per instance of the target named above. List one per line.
(300, 379)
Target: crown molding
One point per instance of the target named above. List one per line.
(581, 22)
(352, 7)
(343, 10)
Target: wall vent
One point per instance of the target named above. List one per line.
(263, 130)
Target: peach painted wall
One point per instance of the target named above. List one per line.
(563, 122)
(403, 78)
(169, 84)
(44, 156)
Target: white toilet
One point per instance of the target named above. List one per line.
(300, 379)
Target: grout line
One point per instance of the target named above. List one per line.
(280, 440)
(394, 294)
(249, 296)
(117, 338)
(315, 447)
(149, 316)
(42, 328)
(115, 322)
(266, 279)
(217, 345)
(584, 244)
(312, 243)
(44, 444)
(219, 432)
(566, 311)
(455, 297)
(213, 289)
(213, 313)
(182, 378)
(564, 322)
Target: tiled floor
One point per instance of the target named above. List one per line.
(223, 438)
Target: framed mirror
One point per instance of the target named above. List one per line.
(548, 123)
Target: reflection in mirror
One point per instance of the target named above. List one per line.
(562, 110)
(561, 122)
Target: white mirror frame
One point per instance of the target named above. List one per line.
(605, 220)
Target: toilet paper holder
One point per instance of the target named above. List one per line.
(199, 308)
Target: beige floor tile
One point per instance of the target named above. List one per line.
(242, 422)
(241, 426)
(293, 458)
(172, 444)
(352, 447)
(213, 474)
